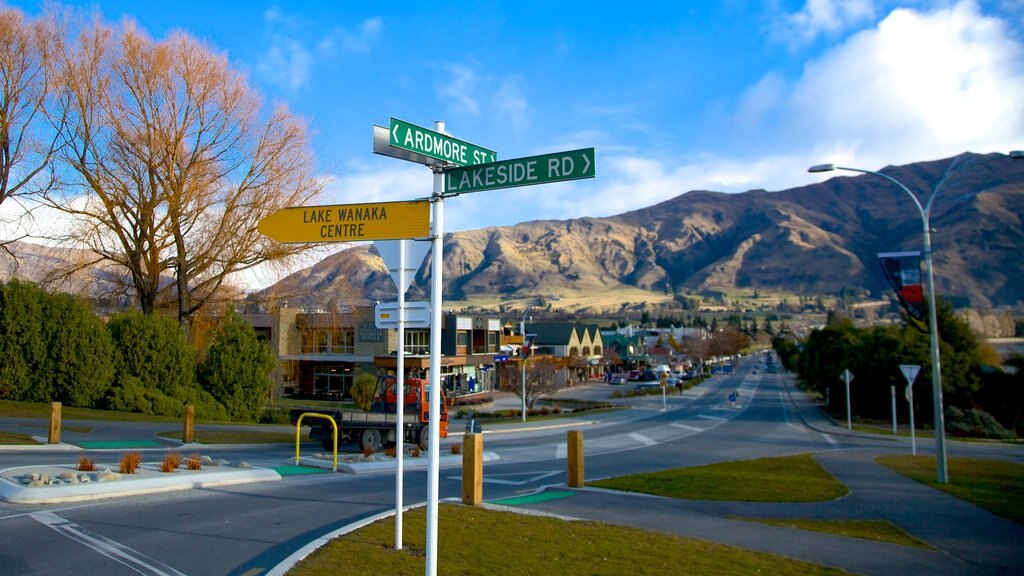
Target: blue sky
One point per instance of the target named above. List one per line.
(675, 96)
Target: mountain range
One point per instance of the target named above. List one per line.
(811, 240)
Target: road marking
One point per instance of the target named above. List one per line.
(532, 477)
(710, 417)
(686, 427)
(138, 562)
(830, 439)
(642, 439)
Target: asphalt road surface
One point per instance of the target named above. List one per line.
(248, 529)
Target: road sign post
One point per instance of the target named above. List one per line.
(847, 376)
(543, 169)
(460, 167)
(910, 372)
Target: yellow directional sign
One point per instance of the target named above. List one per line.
(349, 222)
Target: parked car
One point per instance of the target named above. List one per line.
(618, 379)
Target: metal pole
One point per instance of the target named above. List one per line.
(913, 435)
(400, 397)
(892, 389)
(434, 421)
(846, 379)
(522, 362)
(933, 324)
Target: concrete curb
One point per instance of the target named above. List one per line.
(128, 486)
(408, 463)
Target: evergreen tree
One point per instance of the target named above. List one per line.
(22, 345)
(80, 349)
(237, 369)
(154, 350)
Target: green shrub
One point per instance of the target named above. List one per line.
(273, 415)
(153, 349)
(975, 423)
(364, 387)
(129, 395)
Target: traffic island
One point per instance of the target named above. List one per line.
(53, 484)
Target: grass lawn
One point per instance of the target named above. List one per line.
(14, 409)
(15, 438)
(787, 479)
(239, 437)
(478, 541)
(995, 485)
(879, 530)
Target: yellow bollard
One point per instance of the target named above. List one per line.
(574, 439)
(473, 469)
(54, 423)
(188, 426)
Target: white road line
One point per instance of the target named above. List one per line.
(829, 439)
(642, 439)
(138, 562)
(710, 417)
(686, 427)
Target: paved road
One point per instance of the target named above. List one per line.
(246, 530)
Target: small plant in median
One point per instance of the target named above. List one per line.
(194, 462)
(171, 462)
(456, 448)
(130, 462)
(86, 464)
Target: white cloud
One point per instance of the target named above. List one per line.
(458, 92)
(360, 41)
(920, 86)
(293, 51)
(511, 105)
(822, 17)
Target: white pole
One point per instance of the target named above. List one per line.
(846, 378)
(400, 397)
(434, 421)
(892, 389)
(913, 437)
(522, 362)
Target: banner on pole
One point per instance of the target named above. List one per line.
(903, 272)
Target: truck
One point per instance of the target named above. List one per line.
(376, 428)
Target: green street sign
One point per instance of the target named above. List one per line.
(436, 145)
(543, 169)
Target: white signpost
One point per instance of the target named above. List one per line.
(910, 373)
(847, 376)
(395, 254)
(438, 150)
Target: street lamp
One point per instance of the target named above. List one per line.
(925, 213)
(522, 358)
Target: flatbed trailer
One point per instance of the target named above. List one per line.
(377, 428)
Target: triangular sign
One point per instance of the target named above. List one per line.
(910, 372)
(390, 252)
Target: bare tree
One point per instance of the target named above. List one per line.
(28, 136)
(175, 163)
(542, 377)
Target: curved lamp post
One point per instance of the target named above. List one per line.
(925, 213)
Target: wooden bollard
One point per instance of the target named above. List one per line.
(574, 439)
(54, 437)
(188, 426)
(473, 469)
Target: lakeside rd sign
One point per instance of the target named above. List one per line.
(436, 145)
(349, 222)
(543, 169)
